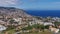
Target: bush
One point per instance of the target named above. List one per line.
(36, 26)
(47, 27)
(27, 28)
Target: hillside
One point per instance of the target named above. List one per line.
(13, 12)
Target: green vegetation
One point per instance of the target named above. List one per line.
(57, 23)
(45, 32)
(36, 26)
(11, 29)
(27, 28)
(46, 27)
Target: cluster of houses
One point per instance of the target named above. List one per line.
(25, 21)
(31, 21)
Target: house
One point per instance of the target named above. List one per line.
(4, 23)
(56, 19)
(53, 29)
(36, 22)
(31, 23)
(39, 21)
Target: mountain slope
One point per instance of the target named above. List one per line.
(13, 12)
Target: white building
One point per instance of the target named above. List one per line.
(39, 22)
(56, 19)
(55, 30)
(19, 20)
(36, 22)
(2, 28)
(48, 23)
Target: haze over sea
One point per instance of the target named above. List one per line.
(44, 13)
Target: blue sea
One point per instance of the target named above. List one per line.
(44, 13)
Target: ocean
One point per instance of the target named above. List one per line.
(44, 13)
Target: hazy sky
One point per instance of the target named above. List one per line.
(32, 4)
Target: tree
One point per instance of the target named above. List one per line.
(57, 23)
(27, 28)
(36, 26)
(47, 27)
(11, 21)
